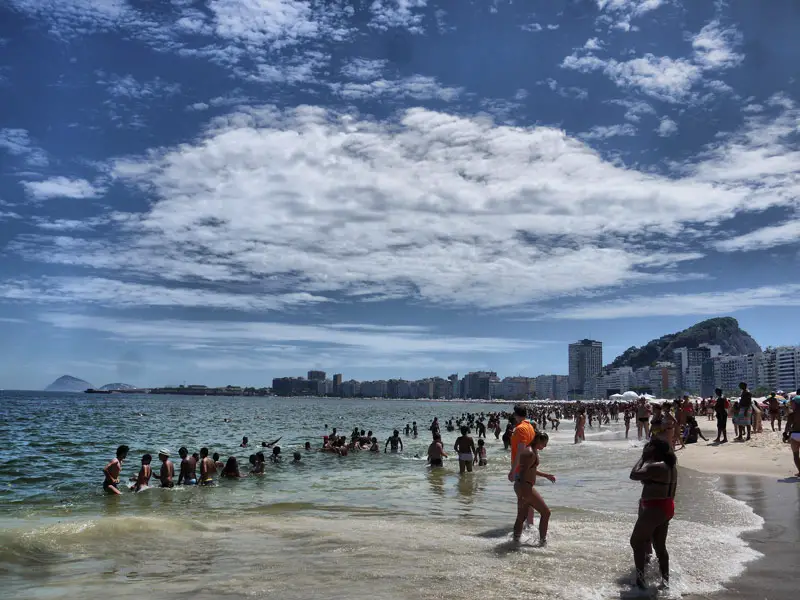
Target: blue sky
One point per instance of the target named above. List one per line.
(224, 191)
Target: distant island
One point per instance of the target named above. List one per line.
(68, 383)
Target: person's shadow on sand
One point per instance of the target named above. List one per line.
(792, 479)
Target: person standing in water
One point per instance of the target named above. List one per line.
(465, 448)
(167, 472)
(657, 470)
(395, 441)
(436, 452)
(207, 468)
(112, 471)
(188, 473)
(142, 481)
(792, 433)
(580, 426)
(528, 498)
(643, 418)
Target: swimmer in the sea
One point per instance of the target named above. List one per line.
(167, 469)
(258, 465)
(231, 469)
(297, 458)
(465, 448)
(207, 468)
(276, 455)
(244, 442)
(480, 455)
(395, 441)
(219, 464)
(142, 481)
(112, 471)
(188, 472)
(528, 497)
(436, 452)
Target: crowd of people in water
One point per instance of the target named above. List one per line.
(663, 426)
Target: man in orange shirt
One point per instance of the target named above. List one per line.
(522, 437)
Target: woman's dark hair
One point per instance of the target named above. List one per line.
(663, 452)
(541, 436)
(231, 468)
(464, 430)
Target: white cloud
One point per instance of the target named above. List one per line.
(256, 23)
(674, 305)
(364, 69)
(416, 87)
(248, 334)
(121, 294)
(532, 27)
(593, 44)
(61, 187)
(713, 47)
(127, 86)
(667, 127)
(634, 109)
(601, 132)
(391, 14)
(766, 237)
(17, 142)
(661, 77)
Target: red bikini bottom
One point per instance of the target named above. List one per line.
(666, 505)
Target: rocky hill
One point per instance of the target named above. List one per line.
(109, 387)
(723, 332)
(67, 383)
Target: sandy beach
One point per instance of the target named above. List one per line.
(765, 454)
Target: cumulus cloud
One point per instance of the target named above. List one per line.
(674, 305)
(363, 69)
(667, 127)
(661, 77)
(416, 87)
(714, 47)
(391, 14)
(61, 187)
(127, 86)
(593, 44)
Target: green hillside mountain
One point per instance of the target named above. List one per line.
(68, 383)
(724, 332)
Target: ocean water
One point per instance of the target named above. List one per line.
(377, 526)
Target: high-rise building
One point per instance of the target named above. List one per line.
(337, 384)
(787, 365)
(585, 362)
(316, 375)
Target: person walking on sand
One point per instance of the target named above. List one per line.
(774, 407)
(792, 433)
(528, 497)
(721, 406)
(657, 470)
(745, 414)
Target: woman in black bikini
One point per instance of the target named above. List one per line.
(528, 496)
(657, 470)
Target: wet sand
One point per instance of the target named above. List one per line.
(774, 575)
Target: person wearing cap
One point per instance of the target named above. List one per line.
(167, 469)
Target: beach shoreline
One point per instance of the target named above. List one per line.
(777, 501)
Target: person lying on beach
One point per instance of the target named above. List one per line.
(693, 432)
(142, 480)
(112, 471)
(436, 452)
(167, 471)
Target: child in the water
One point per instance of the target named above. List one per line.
(142, 481)
(480, 455)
